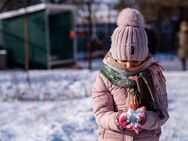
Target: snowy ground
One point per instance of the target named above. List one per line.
(56, 104)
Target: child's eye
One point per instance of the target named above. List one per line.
(135, 63)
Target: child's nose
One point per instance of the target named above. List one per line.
(129, 64)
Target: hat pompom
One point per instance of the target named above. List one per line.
(130, 17)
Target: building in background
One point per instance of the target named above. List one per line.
(40, 36)
(93, 29)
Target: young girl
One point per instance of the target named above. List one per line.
(129, 96)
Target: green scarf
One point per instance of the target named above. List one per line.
(117, 78)
(120, 77)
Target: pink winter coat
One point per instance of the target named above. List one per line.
(108, 99)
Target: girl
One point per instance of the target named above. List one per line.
(129, 96)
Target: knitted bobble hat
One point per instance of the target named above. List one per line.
(129, 39)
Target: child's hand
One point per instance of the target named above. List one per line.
(140, 118)
(133, 120)
(124, 120)
(141, 115)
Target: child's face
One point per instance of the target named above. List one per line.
(129, 64)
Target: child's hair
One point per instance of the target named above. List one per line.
(129, 39)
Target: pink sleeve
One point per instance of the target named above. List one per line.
(153, 120)
(103, 105)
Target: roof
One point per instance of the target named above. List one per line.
(38, 7)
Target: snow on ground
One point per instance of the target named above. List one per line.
(56, 104)
(69, 120)
(46, 85)
(176, 128)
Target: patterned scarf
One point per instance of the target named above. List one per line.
(119, 75)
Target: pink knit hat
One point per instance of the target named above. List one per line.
(129, 39)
